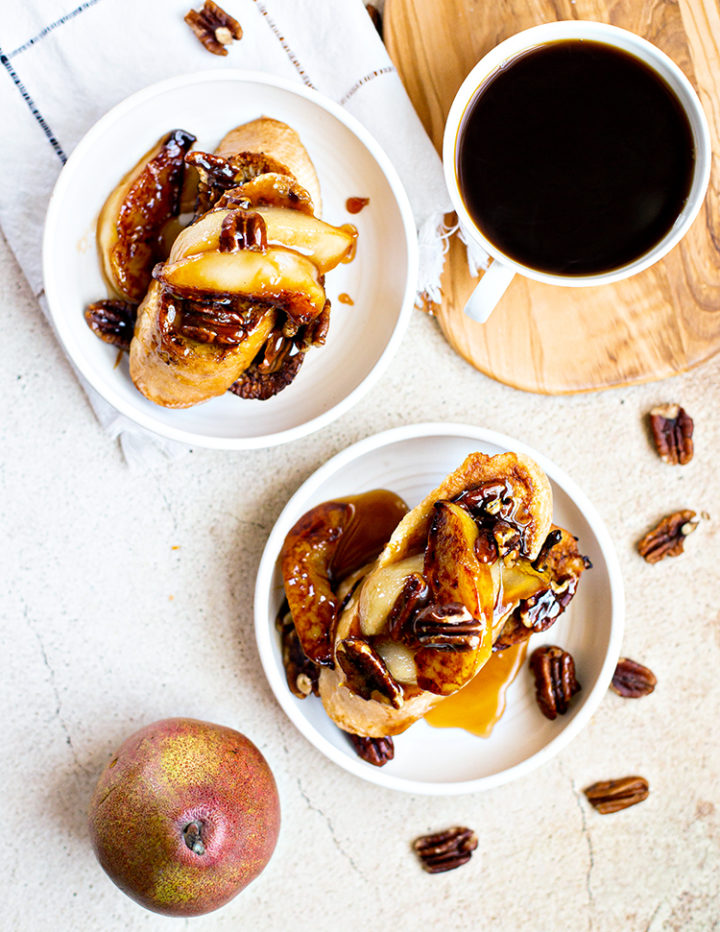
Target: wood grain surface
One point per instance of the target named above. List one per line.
(551, 339)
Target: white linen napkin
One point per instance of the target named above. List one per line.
(65, 63)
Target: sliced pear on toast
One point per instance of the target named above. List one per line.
(131, 221)
(324, 245)
(276, 276)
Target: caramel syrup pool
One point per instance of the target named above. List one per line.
(479, 705)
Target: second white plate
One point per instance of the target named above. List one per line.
(411, 461)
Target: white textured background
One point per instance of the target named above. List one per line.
(107, 627)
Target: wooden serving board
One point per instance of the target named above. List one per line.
(550, 339)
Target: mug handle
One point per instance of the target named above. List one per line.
(488, 291)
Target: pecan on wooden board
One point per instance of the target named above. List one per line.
(215, 28)
(444, 851)
(555, 683)
(667, 539)
(632, 680)
(375, 751)
(672, 430)
(613, 795)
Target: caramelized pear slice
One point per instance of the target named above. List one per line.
(306, 561)
(329, 544)
(456, 577)
(130, 225)
(323, 244)
(444, 672)
(452, 569)
(277, 276)
(271, 189)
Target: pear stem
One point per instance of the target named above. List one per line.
(192, 833)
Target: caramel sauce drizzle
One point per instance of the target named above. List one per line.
(479, 705)
(344, 298)
(354, 205)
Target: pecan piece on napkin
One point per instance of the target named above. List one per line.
(632, 680)
(668, 538)
(672, 430)
(444, 851)
(555, 683)
(215, 28)
(613, 795)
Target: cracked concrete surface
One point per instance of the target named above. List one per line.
(128, 598)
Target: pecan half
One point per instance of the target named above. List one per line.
(260, 386)
(113, 321)
(614, 795)
(375, 751)
(242, 229)
(366, 672)
(555, 683)
(301, 673)
(447, 627)
(632, 680)
(214, 27)
(444, 851)
(668, 538)
(672, 430)
(412, 598)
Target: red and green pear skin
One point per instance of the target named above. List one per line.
(161, 779)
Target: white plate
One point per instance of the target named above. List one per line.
(411, 461)
(381, 280)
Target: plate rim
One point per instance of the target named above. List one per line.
(53, 226)
(263, 629)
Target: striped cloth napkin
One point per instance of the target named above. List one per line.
(64, 64)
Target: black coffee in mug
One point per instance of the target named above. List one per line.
(575, 158)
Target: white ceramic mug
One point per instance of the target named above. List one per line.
(501, 271)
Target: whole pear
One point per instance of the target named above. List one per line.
(184, 816)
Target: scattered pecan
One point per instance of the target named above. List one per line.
(444, 851)
(301, 673)
(632, 680)
(555, 683)
(214, 27)
(113, 321)
(613, 795)
(412, 597)
(366, 672)
(668, 538)
(376, 17)
(672, 430)
(376, 751)
(447, 627)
